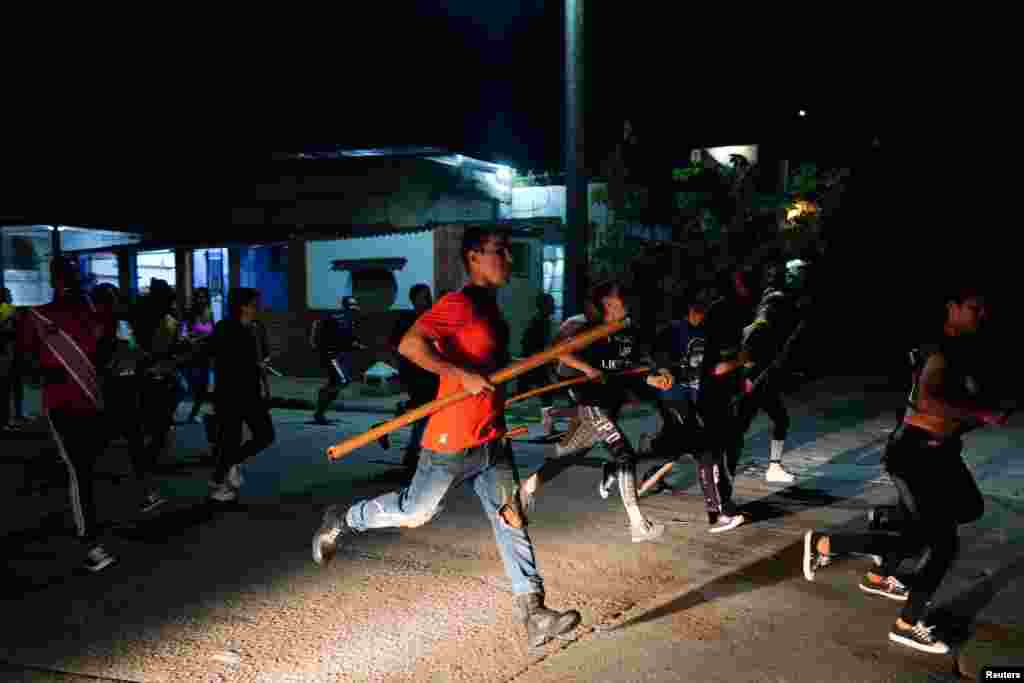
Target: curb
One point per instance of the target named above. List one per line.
(992, 645)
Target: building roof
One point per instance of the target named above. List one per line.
(440, 155)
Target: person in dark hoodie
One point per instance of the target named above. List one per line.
(242, 393)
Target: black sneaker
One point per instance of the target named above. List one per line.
(918, 637)
(325, 540)
(321, 420)
(98, 559)
(889, 587)
(813, 560)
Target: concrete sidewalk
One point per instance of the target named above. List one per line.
(229, 593)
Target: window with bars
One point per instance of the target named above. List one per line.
(554, 276)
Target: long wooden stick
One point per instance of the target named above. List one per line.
(570, 382)
(580, 341)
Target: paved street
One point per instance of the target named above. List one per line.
(229, 593)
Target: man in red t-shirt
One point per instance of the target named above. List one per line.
(463, 338)
(72, 339)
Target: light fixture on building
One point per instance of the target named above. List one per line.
(801, 207)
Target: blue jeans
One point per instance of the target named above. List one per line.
(493, 478)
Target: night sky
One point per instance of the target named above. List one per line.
(483, 79)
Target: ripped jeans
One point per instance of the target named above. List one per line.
(492, 477)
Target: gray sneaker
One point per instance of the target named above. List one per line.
(325, 540)
(648, 532)
(223, 493)
(98, 559)
(609, 477)
(235, 477)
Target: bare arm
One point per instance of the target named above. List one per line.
(576, 363)
(419, 348)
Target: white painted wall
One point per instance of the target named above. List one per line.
(518, 298)
(548, 202)
(324, 286)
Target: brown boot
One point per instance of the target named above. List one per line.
(543, 624)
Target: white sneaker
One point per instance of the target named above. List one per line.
(98, 559)
(647, 532)
(235, 478)
(609, 478)
(726, 523)
(777, 475)
(224, 493)
(918, 637)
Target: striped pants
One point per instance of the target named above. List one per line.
(81, 440)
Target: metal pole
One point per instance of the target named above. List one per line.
(3, 258)
(576, 205)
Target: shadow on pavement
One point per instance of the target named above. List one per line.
(766, 572)
(956, 617)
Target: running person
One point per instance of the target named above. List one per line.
(680, 348)
(72, 340)
(763, 340)
(419, 383)
(720, 386)
(936, 489)
(462, 338)
(242, 393)
(334, 338)
(600, 403)
(536, 338)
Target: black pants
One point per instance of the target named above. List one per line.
(123, 398)
(683, 431)
(198, 384)
(768, 399)
(534, 379)
(230, 449)
(717, 461)
(12, 387)
(420, 393)
(6, 389)
(81, 440)
(158, 398)
(938, 492)
(335, 366)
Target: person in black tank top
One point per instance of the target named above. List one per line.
(936, 490)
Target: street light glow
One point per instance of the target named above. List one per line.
(803, 113)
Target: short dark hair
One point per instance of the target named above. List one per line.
(964, 292)
(417, 288)
(241, 296)
(474, 239)
(106, 293)
(543, 299)
(605, 289)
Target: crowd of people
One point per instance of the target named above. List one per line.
(707, 375)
